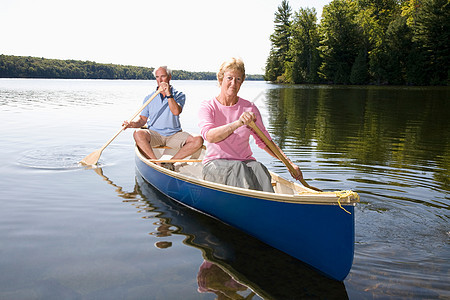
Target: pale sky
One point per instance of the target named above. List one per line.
(191, 35)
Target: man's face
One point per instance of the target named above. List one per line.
(162, 76)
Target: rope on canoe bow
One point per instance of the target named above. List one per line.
(339, 202)
(345, 194)
(341, 195)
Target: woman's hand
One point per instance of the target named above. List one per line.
(247, 117)
(296, 173)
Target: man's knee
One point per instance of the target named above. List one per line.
(198, 141)
(195, 141)
(140, 135)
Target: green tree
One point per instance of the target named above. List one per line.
(359, 74)
(432, 33)
(341, 40)
(362, 42)
(280, 41)
(303, 56)
(374, 18)
(404, 63)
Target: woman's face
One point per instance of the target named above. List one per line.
(231, 83)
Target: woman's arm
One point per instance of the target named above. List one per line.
(220, 133)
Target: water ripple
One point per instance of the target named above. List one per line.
(61, 158)
(51, 159)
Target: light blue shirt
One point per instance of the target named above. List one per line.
(160, 118)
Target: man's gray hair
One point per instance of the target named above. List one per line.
(169, 71)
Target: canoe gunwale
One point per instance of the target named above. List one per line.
(309, 196)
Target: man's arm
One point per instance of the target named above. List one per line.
(136, 124)
(175, 108)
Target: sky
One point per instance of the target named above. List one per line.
(191, 35)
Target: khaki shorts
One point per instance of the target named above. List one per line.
(175, 141)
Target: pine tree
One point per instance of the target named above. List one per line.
(280, 40)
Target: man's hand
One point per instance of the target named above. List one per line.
(164, 87)
(126, 125)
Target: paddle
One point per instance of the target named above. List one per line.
(93, 158)
(278, 154)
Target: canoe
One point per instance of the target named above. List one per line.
(317, 228)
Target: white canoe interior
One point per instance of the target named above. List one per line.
(190, 169)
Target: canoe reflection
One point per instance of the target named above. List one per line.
(236, 265)
(267, 271)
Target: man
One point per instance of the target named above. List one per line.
(162, 118)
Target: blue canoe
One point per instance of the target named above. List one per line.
(317, 228)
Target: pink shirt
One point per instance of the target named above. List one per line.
(213, 114)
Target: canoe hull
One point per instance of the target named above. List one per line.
(320, 235)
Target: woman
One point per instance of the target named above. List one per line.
(223, 125)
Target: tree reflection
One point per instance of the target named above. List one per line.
(366, 125)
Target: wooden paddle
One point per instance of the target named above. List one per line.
(278, 154)
(93, 158)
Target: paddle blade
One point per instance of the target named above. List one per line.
(92, 158)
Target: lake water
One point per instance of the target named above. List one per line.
(69, 232)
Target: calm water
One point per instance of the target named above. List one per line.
(68, 232)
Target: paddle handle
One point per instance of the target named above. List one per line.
(278, 154)
(145, 104)
(130, 119)
(271, 146)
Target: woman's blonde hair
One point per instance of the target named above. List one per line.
(233, 64)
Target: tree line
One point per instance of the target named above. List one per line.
(397, 42)
(35, 67)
